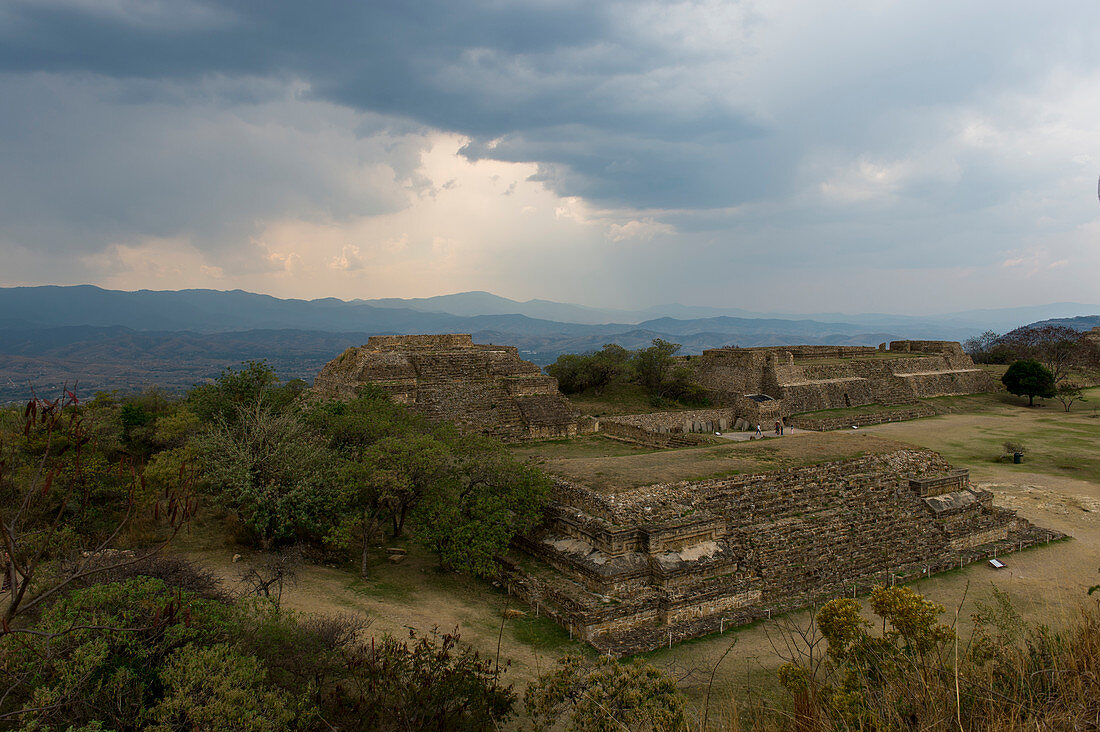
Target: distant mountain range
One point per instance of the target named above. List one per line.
(212, 311)
(100, 338)
(1083, 322)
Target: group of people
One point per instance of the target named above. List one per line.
(779, 429)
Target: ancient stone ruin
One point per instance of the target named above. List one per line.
(752, 386)
(763, 383)
(658, 547)
(450, 378)
(637, 569)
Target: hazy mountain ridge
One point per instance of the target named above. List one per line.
(236, 310)
(1083, 322)
(104, 339)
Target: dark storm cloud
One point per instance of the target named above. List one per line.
(565, 82)
(90, 161)
(703, 137)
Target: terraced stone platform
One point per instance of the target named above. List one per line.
(638, 566)
(484, 387)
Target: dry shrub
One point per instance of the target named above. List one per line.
(175, 571)
(1010, 674)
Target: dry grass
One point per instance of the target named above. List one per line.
(615, 400)
(620, 472)
(972, 430)
(585, 446)
(1015, 676)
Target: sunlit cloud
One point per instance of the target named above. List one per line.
(867, 156)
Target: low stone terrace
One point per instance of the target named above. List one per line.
(617, 472)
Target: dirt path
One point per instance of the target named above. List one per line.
(416, 595)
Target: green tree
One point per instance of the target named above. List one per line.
(403, 470)
(653, 366)
(593, 371)
(608, 366)
(96, 653)
(1029, 378)
(470, 517)
(353, 425)
(66, 498)
(255, 384)
(274, 472)
(365, 503)
(570, 369)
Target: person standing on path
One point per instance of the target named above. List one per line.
(759, 432)
(777, 428)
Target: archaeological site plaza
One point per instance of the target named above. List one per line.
(696, 533)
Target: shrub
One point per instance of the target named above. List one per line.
(427, 682)
(606, 695)
(217, 688)
(917, 674)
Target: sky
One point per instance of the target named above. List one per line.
(784, 156)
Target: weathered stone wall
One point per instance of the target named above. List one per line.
(699, 420)
(822, 423)
(812, 378)
(433, 342)
(641, 436)
(448, 377)
(668, 561)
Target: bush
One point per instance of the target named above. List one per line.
(917, 674)
(656, 369)
(102, 649)
(217, 688)
(427, 682)
(606, 695)
(140, 654)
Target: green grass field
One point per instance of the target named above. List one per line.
(585, 446)
(971, 431)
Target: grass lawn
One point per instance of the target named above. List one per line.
(585, 446)
(972, 430)
(621, 399)
(854, 411)
(625, 471)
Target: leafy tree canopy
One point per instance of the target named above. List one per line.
(1029, 378)
(655, 368)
